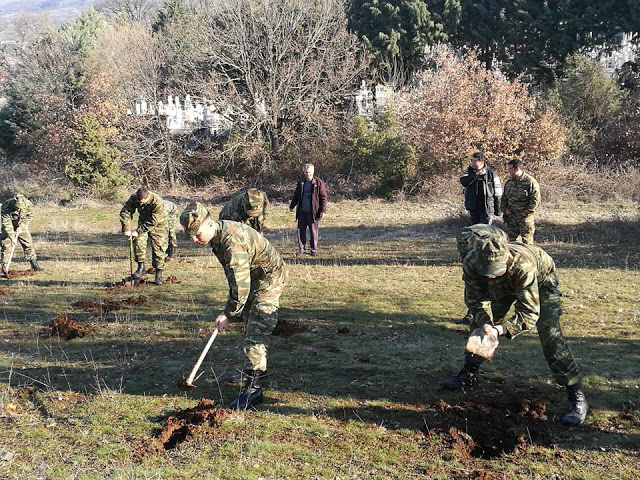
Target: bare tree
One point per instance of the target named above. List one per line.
(279, 67)
(142, 11)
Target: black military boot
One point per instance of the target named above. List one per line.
(158, 280)
(578, 407)
(241, 376)
(140, 271)
(467, 377)
(34, 265)
(171, 251)
(466, 320)
(251, 393)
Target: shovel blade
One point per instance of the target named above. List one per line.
(185, 386)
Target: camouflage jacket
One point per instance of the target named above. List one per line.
(245, 255)
(468, 236)
(150, 214)
(172, 213)
(16, 213)
(521, 196)
(238, 207)
(529, 268)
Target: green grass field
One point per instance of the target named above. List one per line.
(354, 391)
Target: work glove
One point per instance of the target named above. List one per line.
(131, 234)
(483, 341)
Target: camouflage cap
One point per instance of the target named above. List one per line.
(253, 202)
(192, 217)
(492, 253)
(468, 236)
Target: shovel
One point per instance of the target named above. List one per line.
(187, 384)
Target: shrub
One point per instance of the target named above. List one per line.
(460, 107)
(589, 102)
(379, 149)
(95, 166)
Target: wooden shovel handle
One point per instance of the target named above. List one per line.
(192, 375)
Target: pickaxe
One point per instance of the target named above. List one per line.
(187, 384)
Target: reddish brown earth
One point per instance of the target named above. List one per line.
(4, 291)
(172, 279)
(11, 274)
(476, 430)
(66, 328)
(109, 305)
(200, 422)
(285, 328)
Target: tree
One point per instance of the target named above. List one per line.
(589, 101)
(44, 89)
(279, 69)
(135, 11)
(461, 107)
(96, 165)
(396, 33)
(535, 37)
(378, 148)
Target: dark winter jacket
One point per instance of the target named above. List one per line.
(318, 198)
(478, 187)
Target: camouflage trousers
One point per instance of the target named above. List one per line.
(554, 347)
(172, 240)
(158, 236)
(519, 226)
(25, 241)
(260, 316)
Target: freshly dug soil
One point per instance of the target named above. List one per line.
(66, 328)
(4, 291)
(199, 421)
(172, 279)
(11, 274)
(284, 328)
(488, 430)
(109, 305)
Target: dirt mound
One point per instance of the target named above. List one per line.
(127, 282)
(11, 274)
(4, 291)
(285, 328)
(66, 328)
(172, 279)
(199, 421)
(109, 305)
(488, 431)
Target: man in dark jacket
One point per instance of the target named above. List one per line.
(482, 190)
(311, 199)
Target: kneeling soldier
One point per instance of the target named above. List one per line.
(256, 275)
(498, 274)
(248, 207)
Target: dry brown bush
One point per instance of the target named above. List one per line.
(461, 107)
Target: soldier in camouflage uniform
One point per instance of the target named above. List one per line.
(498, 275)
(519, 203)
(16, 216)
(466, 240)
(172, 221)
(248, 207)
(256, 275)
(152, 223)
